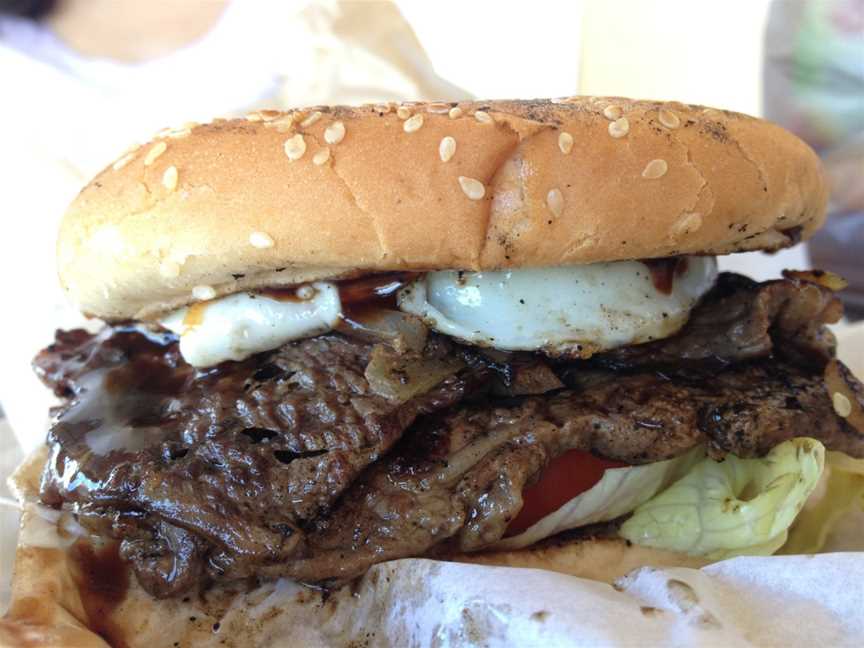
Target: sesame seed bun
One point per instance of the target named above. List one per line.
(280, 198)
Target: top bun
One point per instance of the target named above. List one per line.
(280, 198)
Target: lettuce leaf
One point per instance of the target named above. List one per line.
(619, 491)
(842, 493)
(732, 507)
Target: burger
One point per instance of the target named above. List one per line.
(489, 332)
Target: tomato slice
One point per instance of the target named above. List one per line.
(563, 479)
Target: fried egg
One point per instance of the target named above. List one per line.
(237, 326)
(562, 310)
(573, 310)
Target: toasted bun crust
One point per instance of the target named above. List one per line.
(571, 181)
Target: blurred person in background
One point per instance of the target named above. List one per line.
(814, 86)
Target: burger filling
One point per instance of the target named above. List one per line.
(312, 432)
(577, 310)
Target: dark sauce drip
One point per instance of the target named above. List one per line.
(121, 392)
(103, 581)
(664, 271)
(123, 387)
(368, 292)
(362, 297)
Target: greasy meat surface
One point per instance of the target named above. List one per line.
(741, 319)
(460, 476)
(292, 463)
(239, 455)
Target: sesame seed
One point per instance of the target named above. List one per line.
(284, 124)
(311, 119)
(334, 133)
(688, 222)
(155, 152)
(565, 142)
(254, 116)
(438, 107)
(123, 161)
(179, 133)
(447, 148)
(403, 112)
(482, 117)
(169, 269)
(555, 201)
(203, 293)
(306, 292)
(842, 404)
(384, 108)
(413, 123)
(619, 127)
(169, 178)
(261, 240)
(455, 112)
(655, 169)
(295, 147)
(472, 188)
(612, 112)
(321, 156)
(668, 118)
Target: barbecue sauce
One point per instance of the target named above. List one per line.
(362, 297)
(664, 271)
(370, 292)
(103, 581)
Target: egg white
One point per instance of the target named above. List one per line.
(565, 310)
(572, 310)
(239, 325)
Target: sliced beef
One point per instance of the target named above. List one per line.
(739, 320)
(459, 477)
(241, 456)
(292, 463)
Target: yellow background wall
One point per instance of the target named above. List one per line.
(698, 51)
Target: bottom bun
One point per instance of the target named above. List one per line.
(597, 558)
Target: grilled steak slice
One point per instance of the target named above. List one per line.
(739, 320)
(459, 477)
(240, 456)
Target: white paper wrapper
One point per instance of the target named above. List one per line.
(778, 601)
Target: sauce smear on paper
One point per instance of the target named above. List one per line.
(103, 580)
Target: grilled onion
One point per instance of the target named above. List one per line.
(829, 280)
(400, 377)
(404, 333)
